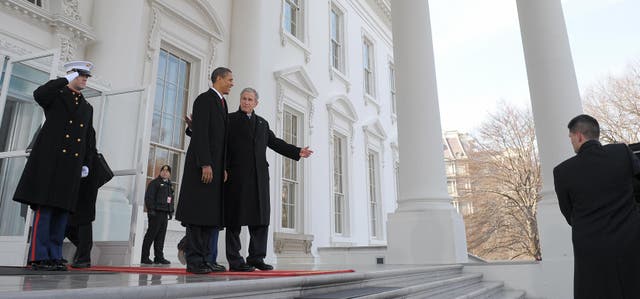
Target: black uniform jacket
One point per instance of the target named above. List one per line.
(159, 196)
(246, 199)
(99, 174)
(595, 195)
(199, 203)
(65, 143)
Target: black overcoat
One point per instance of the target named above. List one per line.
(99, 174)
(199, 203)
(246, 199)
(595, 195)
(51, 176)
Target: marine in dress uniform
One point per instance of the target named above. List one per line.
(61, 152)
(246, 197)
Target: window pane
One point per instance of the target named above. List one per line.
(174, 70)
(162, 158)
(155, 127)
(150, 170)
(167, 130)
(170, 99)
(177, 133)
(157, 105)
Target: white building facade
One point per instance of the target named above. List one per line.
(324, 71)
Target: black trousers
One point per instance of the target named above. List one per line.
(197, 244)
(81, 235)
(257, 244)
(155, 234)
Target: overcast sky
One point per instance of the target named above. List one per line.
(479, 58)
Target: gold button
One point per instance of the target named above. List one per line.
(64, 150)
(70, 121)
(76, 154)
(79, 139)
(73, 92)
(66, 136)
(81, 125)
(76, 103)
(76, 98)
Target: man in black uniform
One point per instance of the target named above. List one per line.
(58, 161)
(200, 205)
(246, 199)
(158, 201)
(595, 194)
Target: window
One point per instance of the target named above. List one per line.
(367, 65)
(337, 39)
(373, 194)
(291, 173)
(392, 88)
(167, 127)
(293, 16)
(36, 2)
(339, 205)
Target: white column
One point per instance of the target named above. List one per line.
(425, 228)
(251, 58)
(555, 99)
(118, 56)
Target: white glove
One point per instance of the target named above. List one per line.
(71, 76)
(85, 172)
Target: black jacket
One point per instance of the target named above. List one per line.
(65, 143)
(246, 197)
(159, 196)
(199, 203)
(99, 174)
(595, 194)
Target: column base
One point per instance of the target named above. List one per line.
(433, 236)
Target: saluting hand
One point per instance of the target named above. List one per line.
(207, 174)
(305, 152)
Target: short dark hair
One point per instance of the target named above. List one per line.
(586, 125)
(219, 72)
(167, 167)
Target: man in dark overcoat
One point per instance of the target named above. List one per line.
(200, 199)
(595, 194)
(61, 153)
(246, 199)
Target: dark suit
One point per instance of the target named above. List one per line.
(595, 195)
(200, 205)
(246, 198)
(51, 178)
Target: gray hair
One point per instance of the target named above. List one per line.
(249, 89)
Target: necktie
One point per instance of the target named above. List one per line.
(222, 100)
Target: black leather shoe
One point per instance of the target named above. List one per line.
(261, 266)
(215, 267)
(242, 268)
(59, 265)
(41, 266)
(199, 269)
(81, 265)
(162, 261)
(146, 261)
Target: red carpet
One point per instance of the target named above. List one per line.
(183, 271)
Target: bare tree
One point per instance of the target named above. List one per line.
(615, 103)
(506, 186)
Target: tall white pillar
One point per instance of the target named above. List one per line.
(118, 57)
(555, 99)
(425, 229)
(251, 53)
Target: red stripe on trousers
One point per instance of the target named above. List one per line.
(33, 238)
